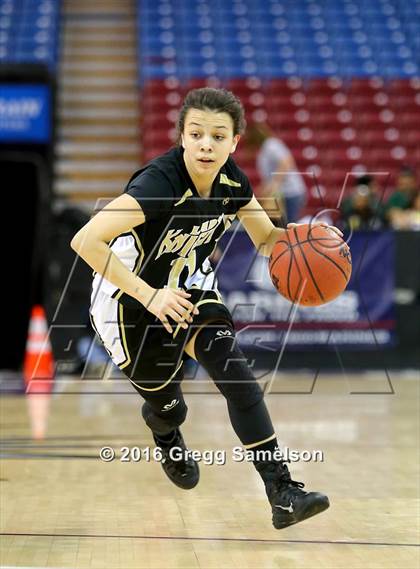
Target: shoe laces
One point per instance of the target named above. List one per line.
(176, 465)
(276, 471)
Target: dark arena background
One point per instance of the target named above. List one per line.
(89, 92)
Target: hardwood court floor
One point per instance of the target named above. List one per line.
(63, 507)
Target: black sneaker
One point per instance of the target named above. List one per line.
(178, 465)
(289, 503)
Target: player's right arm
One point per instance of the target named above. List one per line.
(91, 242)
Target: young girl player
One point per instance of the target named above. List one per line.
(155, 296)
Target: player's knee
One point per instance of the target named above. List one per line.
(215, 342)
(217, 350)
(166, 416)
(242, 394)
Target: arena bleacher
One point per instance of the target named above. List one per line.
(29, 31)
(338, 81)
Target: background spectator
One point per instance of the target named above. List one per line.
(407, 218)
(402, 198)
(278, 171)
(362, 209)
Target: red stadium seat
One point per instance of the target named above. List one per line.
(284, 119)
(367, 102)
(157, 86)
(409, 137)
(283, 86)
(365, 86)
(160, 121)
(252, 100)
(374, 137)
(160, 138)
(386, 159)
(253, 176)
(407, 119)
(403, 86)
(323, 86)
(245, 158)
(152, 152)
(161, 102)
(325, 103)
(244, 87)
(331, 137)
(367, 119)
(291, 139)
(326, 119)
(409, 103)
(306, 155)
(282, 101)
(413, 159)
(198, 82)
(347, 156)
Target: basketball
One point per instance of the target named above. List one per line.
(311, 265)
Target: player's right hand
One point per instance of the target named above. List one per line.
(173, 303)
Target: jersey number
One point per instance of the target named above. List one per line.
(178, 265)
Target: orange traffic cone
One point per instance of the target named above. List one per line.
(38, 372)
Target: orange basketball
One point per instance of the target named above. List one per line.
(310, 265)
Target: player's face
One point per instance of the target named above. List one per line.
(208, 140)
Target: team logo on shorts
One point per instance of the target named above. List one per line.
(223, 333)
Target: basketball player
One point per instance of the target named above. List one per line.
(155, 299)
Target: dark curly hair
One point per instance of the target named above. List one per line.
(217, 100)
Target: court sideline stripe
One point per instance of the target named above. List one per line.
(234, 539)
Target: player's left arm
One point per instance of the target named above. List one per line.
(261, 230)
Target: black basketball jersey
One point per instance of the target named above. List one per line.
(172, 247)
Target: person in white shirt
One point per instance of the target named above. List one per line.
(277, 169)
